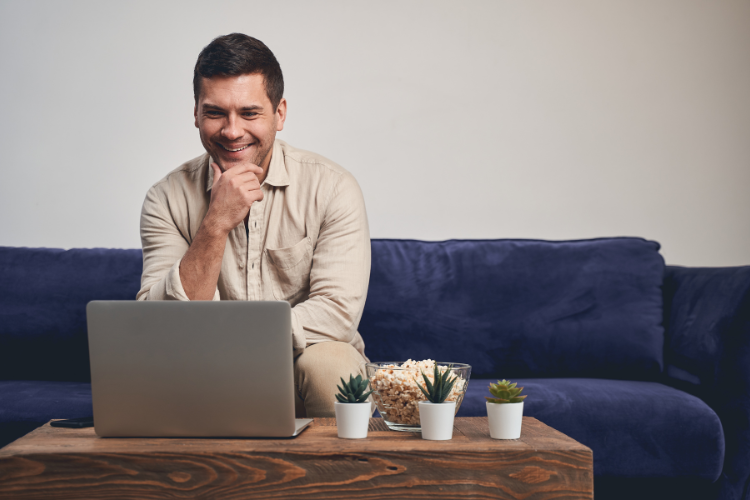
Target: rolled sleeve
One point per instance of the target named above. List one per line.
(163, 249)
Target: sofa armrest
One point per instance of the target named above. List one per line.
(707, 353)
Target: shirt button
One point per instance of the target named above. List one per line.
(242, 265)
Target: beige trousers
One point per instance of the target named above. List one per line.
(317, 371)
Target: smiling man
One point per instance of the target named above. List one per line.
(256, 219)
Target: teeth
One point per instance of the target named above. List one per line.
(234, 150)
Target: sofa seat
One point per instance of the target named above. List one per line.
(26, 404)
(684, 436)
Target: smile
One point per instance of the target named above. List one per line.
(234, 150)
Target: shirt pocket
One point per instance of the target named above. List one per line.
(290, 270)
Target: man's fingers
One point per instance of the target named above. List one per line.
(254, 195)
(245, 167)
(246, 177)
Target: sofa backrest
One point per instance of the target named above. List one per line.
(519, 308)
(43, 297)
(509, 308)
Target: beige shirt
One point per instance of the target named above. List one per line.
(308, 244)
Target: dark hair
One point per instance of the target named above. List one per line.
(238, 54)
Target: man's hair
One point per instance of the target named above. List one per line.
(238, 54)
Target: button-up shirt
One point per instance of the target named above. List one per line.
(307, 242)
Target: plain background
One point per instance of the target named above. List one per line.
(557, 120)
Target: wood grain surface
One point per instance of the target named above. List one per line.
(60, 463)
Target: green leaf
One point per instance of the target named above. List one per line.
(429, 394)
(495, 400)
(423, 391)
(352, 391)
(449, 387)
(358, 391)
(438, 378)
(363, 398)
(506, 392)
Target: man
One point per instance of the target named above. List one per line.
(256, 219)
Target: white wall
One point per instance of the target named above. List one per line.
(473, 119)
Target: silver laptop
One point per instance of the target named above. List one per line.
(192, 369)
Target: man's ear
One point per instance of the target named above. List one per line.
(280, 115)
(195, 114)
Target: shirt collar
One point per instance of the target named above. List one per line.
(277, 174)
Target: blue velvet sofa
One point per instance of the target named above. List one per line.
(647, 364)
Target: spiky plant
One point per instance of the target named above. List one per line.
(441, 386)
(505, 392)
(353, 391)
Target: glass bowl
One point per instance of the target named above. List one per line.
(395, 391)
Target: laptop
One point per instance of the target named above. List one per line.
(192, 369)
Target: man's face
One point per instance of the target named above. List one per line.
(236, 120)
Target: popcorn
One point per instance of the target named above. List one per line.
(397, 392)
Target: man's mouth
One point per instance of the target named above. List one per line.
(234, 150)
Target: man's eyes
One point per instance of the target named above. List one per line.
(247, 114)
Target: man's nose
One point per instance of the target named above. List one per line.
(231, 130)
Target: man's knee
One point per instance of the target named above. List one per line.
(329, 358)
(317, 371)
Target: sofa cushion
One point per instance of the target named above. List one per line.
(26, 404)
(43, 297)
(520, 308)
(635, 429)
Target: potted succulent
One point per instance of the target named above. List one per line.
(436, 414)
(353, 411)
(505, 410)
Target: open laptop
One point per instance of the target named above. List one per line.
(192, 369)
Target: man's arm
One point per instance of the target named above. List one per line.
(232, 194)
(175, 270)
(340, 271)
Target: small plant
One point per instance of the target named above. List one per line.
(438, 390)
(354, 391)
(505, 392)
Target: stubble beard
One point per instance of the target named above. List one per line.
(261, 155)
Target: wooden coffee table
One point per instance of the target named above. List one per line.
(54, 462)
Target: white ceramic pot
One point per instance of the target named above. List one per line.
(505, 420)
(436, 420)
(352, 419)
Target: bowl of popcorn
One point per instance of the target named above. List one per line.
(397, 396)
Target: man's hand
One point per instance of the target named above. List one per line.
(232, 194)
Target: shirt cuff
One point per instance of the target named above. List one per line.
(174, 290)
(173, 283)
